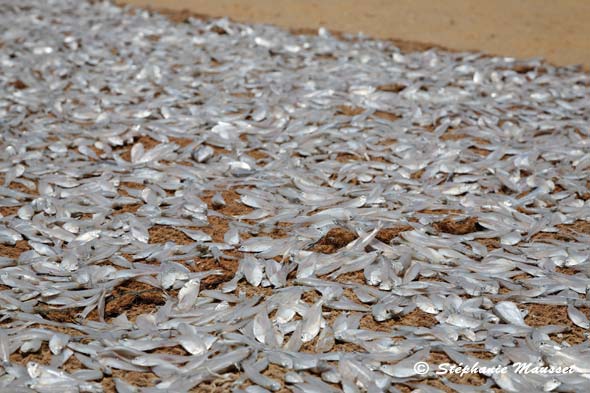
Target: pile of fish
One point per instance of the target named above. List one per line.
(283, 162)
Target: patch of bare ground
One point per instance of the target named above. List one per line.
(386, 115)
(9, 210)
(220, 383)
(479, 351)
(140, 379)
(460, 227)
(440, 211)
(278, 231)
(386, 235)
(392, 87)
(257, 154)
(182, 142)
(357, 277)
(333, 240)
(217, 227)
(276, 373)
(418, 174)
(251, 291)
(125, 150)
(162, 234)
(17, 186)
(233, 204)
(14, 251)
(226, 266)
(124, 185)
(42, 356)
(548, 314)
(566, 232)
(417, 318)
(491, 243)
(479, 151)
(347, 110)
(231, 207)
(127, 208)
(132, 298)
(570, 271)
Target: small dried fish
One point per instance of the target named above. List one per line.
(510, 313)
(310, 325)
(362, 194)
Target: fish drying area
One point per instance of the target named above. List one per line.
(195, 204)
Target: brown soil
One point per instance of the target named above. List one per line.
(490, 243)
(258, 155)
(148, 144)
(43, 356)
(335, 239)
(129, 208)
(386, 235)
(461, 227)
(414, 318)
(354, 111)
(233, 204)
(570, 271)
(392, 88)
(139, 379)
(227, 266)
(566, 232)
(182, 142)
(350, 110)
(14, 251)
(162, 234)
(544, 315)
(221, 383)
(9, 210)
(16, 186)
(386, 115)
(479, 352)
(132, 298)
(440, 211)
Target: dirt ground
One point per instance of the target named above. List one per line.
(555, 30)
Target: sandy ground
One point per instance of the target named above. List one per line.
(555, 30)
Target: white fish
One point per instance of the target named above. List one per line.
(187, 296)
(406, 368)
(203, 153)
(263, 330)
(197, 235)
(577, 317)
(253, 270)
(58, 342)
(310, 325)
(510, 313)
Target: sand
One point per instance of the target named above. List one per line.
(555, 30)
